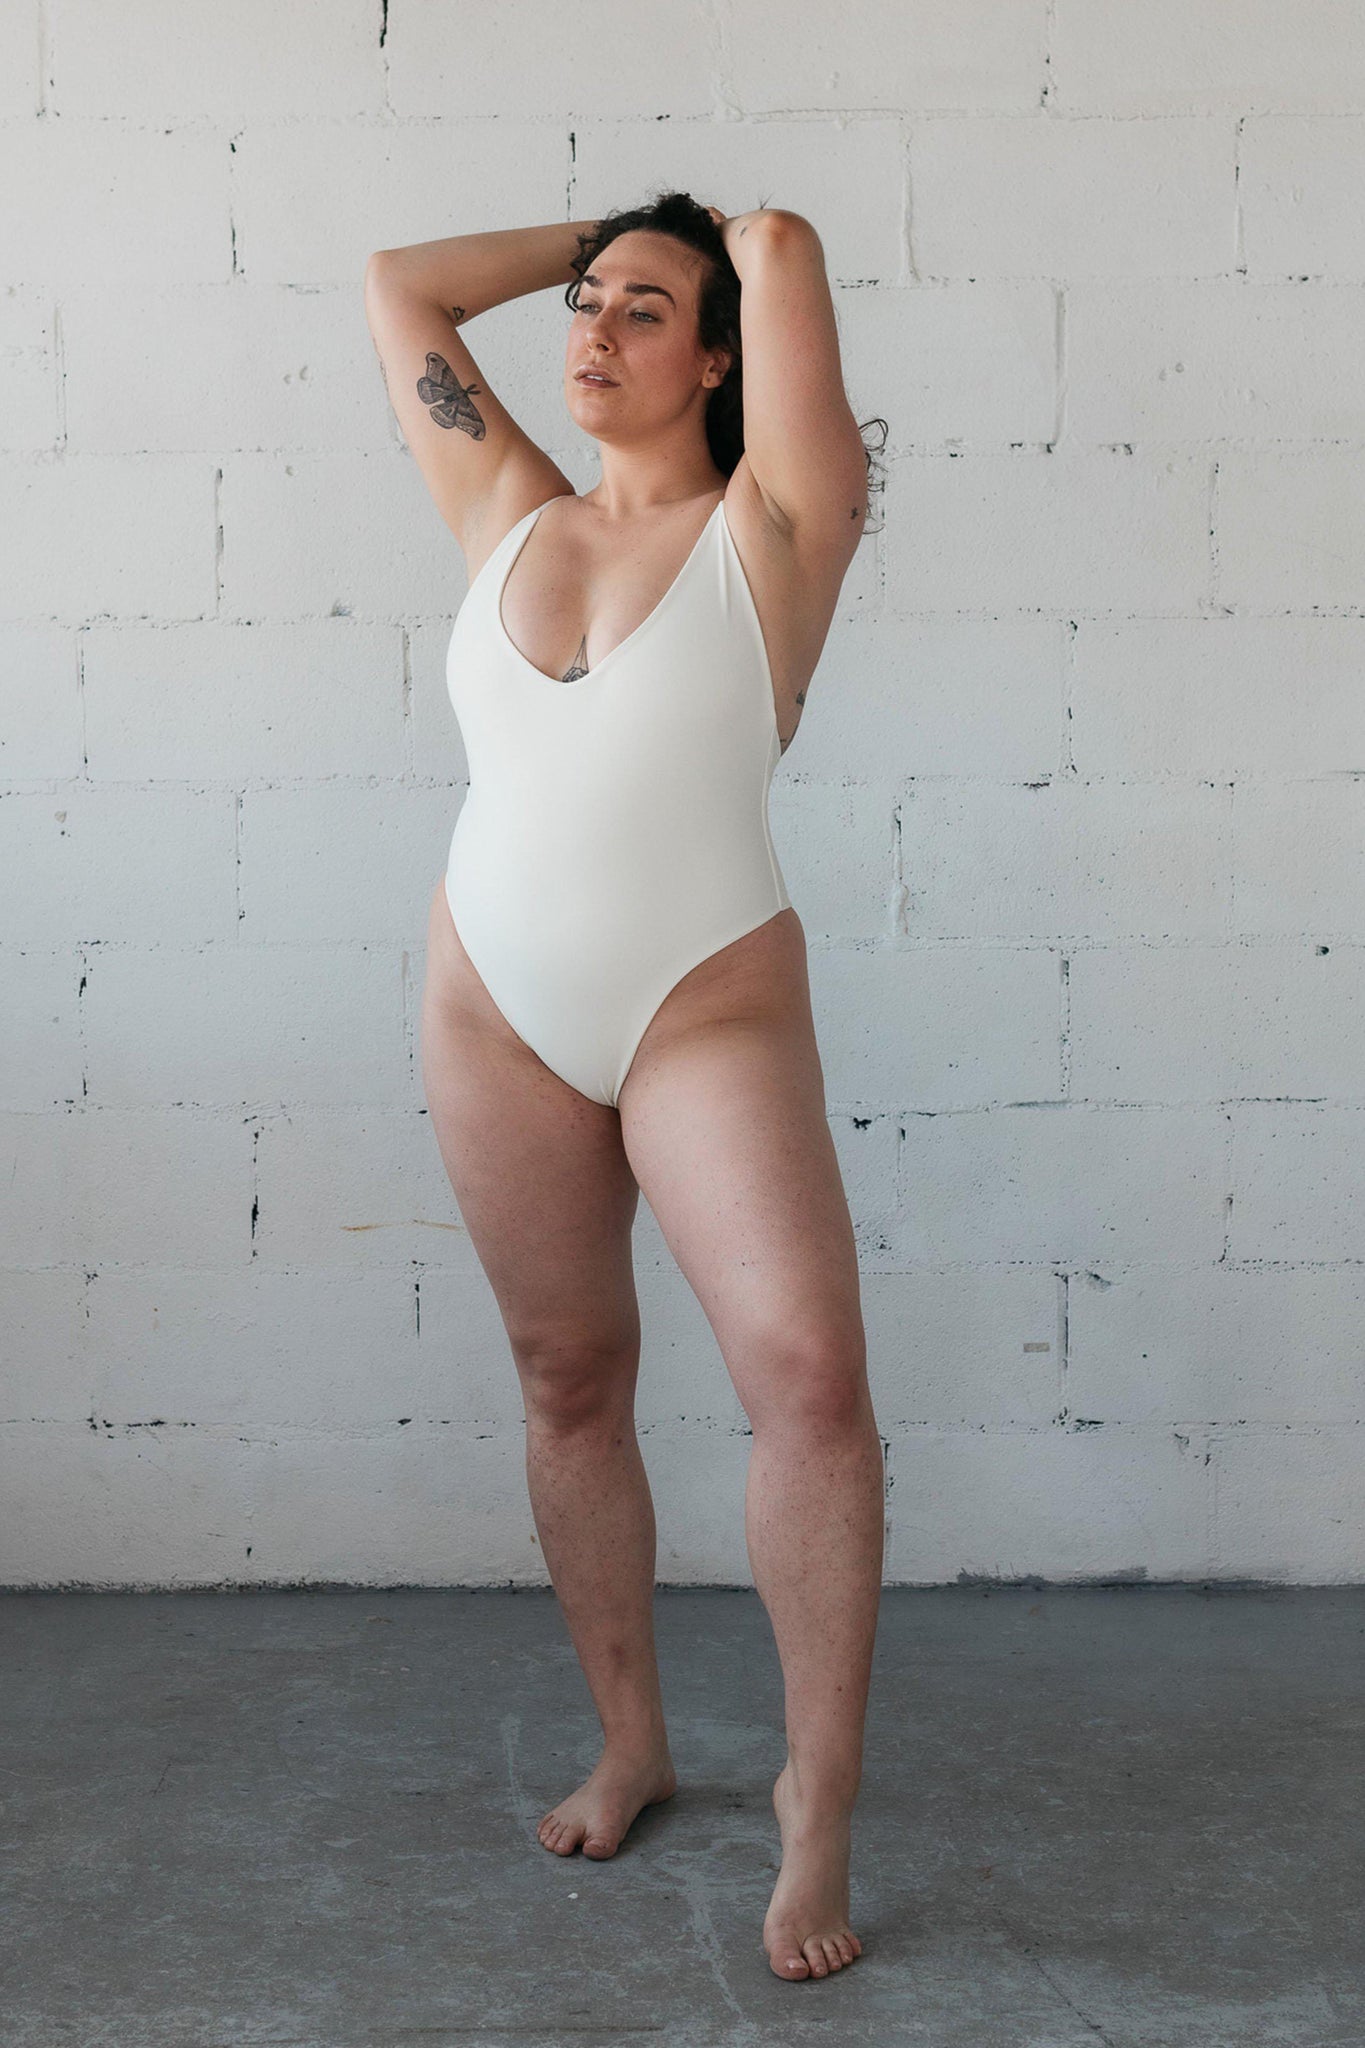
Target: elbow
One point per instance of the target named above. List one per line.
(782, 221)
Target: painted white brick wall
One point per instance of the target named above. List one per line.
(1075, 821)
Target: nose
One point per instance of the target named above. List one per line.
(599, 325)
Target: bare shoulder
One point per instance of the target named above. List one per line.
(488, 520)
(795, 574)
(795, 568)
(781, 551)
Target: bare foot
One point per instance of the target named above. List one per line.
(806, 1931)
(603, 1807)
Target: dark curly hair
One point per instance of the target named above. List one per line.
(680, 215)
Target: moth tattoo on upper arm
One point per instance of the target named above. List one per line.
(451, 402)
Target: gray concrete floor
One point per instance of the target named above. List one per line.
(1125, 1815)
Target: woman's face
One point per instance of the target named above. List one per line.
(637, 323)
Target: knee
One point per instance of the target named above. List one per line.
(567, 1381)
(814, 1380)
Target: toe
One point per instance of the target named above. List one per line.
(832, 1955)
(815, 1956)
(599, 1846)
(844, 1944)
(787, 1961)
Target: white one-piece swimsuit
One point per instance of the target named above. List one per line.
(615, 830)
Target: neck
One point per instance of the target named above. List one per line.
(636, 482)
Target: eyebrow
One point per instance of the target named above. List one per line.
(590, 279)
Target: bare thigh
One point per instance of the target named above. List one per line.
(723, 1120)
(539, 1170)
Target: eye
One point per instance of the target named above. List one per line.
(591, 306)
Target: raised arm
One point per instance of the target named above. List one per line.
(482, 469)
(801, 440)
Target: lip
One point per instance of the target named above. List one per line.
(593, 377)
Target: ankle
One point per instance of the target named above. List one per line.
(636, 1743)
(819, 1798)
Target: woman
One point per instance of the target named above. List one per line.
(616, 994)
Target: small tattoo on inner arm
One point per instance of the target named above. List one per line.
(457, 314)
(450, 401)
(579, 665)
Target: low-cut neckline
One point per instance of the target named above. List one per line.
(558, 682)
